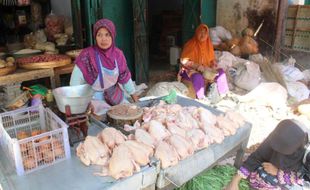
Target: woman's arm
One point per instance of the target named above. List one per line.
(77, 77)
(130, 89)
(234, 184)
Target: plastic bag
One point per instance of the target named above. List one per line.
(54, 25)
(213, 93)
(219, 34)
(306, 74)
(247, 76)
(297, 90)
(290, 72)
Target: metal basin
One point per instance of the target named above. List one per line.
(77, 97)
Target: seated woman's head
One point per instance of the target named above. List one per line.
(103, 38)
(288, 137)
(104, 33)
(202, 32)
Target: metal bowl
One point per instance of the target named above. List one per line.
(77, 97)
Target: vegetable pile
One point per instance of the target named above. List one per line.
(214, 179)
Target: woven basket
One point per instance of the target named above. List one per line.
(45, 65)
(7, 70)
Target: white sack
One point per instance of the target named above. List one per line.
(298, 90)
(247, 76)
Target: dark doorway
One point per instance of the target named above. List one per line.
(165, 30)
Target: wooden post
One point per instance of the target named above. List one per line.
(295, 27)
(77, 23)
(281, 18)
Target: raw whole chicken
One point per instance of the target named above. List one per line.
(198, 138)
(147, 113)
(93, 151)
(121, 163)
(144, 137)
(166, 154)
(159, 114)
(111, 137)
(206, 118)
(135, 126)
(183, 147)
(174, 108)
(158, 131)
(227, 126)
(145, 125)
(140, 152)
(184, 120)
(214, 134)
(174, 129)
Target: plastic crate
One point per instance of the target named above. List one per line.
(30, 153)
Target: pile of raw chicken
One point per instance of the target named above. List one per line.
(169, 133)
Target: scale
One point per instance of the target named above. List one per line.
(78, 126)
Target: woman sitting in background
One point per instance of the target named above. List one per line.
(278, 161)
(104, 67)
(196, 58)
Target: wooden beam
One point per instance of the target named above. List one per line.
(280, 27)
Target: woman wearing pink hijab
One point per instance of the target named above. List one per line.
(104, 67)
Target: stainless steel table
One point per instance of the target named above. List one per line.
(72, 174)
(204, 159)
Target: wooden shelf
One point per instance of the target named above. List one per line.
(22, 75)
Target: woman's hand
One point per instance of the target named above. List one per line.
(234, 184)
(201, 68)
(269, 168)
(90, 109)
(214, 64)
(135, 98)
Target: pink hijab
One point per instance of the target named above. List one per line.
(86, 61)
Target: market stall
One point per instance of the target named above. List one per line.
(72, 174)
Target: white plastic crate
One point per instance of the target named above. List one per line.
(27, 151)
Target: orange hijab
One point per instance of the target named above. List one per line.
(199, 52)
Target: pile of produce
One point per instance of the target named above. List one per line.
(214, 179)
(8, 62)
(7, 66)
(42, 59)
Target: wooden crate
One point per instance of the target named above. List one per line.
(297, 34)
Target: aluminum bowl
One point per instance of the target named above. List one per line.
(77, 97)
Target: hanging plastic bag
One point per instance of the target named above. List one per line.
(54, 25)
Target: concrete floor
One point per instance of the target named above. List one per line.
(161, 70)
